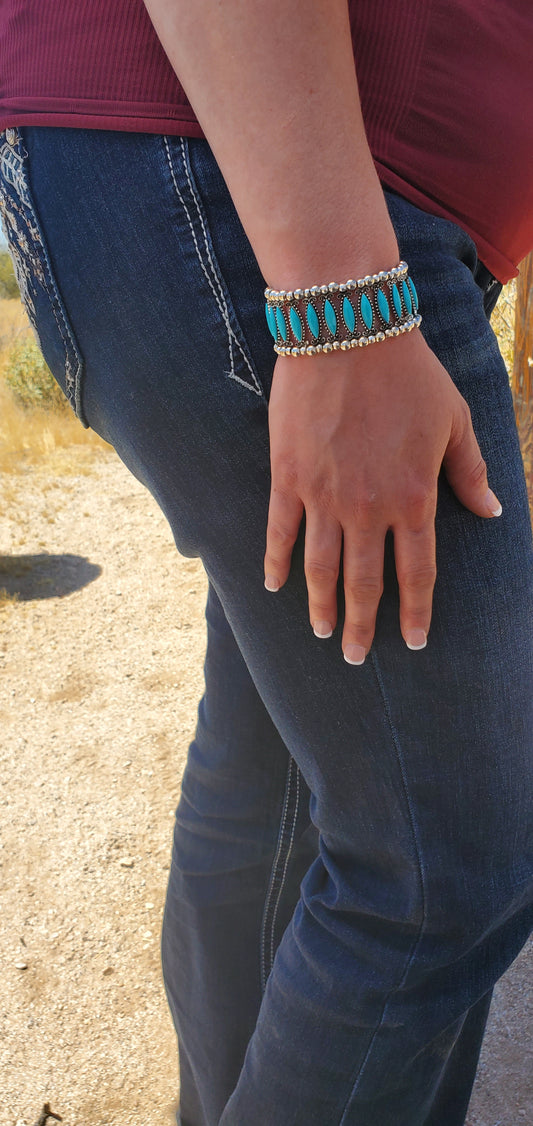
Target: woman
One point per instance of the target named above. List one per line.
(396, 793)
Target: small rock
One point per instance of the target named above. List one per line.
(126, 862)
(21, 965)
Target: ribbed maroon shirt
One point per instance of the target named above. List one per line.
(446, 88)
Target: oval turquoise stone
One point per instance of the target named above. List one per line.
(348, 314)
(367, 311)
(407, 297)
(414, 294)
(280, 320)
(330, 316)
(397, 301)
(296, 324)
(383, 306)
(312, 320)
(271, 320)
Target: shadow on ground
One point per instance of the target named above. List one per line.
(29, 577)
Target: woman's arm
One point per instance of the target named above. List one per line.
(357, 438)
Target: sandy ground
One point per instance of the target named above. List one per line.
(101, 670)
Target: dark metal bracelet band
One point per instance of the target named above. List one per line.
(326, 318)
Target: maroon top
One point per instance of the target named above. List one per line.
(446, 88)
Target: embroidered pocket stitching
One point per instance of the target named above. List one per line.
(211, 274)
(12, 168)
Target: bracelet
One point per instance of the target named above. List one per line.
(326, 318)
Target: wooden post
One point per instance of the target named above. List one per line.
(522, 376)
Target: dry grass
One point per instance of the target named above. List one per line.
(503, 322)
(53, 441)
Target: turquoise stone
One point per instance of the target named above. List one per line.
(397, 301)
(367, 311)
(312, 320)
(383, 306)
(348, 314)
(280, 319)
(407, 297)
(296, 324)
(414, 294)
(271, 319)
(330, 316)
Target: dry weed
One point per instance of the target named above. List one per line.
(503, 322)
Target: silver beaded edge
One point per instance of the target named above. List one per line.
(352, 342)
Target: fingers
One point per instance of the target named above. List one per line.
(323, 539)
(284, 518)
(414, 553)
(363, 587)
(465, 469)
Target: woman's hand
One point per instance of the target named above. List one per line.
(357, 442)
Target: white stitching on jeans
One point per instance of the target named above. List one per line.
(281, 839)
(231, 334)
(287, 858)
(13, 169)
(218, 292)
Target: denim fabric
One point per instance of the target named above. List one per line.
(353, 851)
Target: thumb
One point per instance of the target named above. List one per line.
(465, 468)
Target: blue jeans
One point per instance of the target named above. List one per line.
(353, 857)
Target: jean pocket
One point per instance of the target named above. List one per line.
(241, 365)
(34, 272)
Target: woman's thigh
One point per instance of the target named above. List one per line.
(417, 762)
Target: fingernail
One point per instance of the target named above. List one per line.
(416, 639)
(354, 654)
(272, 583)
(493, 504)
(322, 629)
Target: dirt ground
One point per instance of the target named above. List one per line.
(101, 671)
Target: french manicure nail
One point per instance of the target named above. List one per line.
(322, 629)
(416, 639)
(354, 654)
(272, 583)
(493, 504)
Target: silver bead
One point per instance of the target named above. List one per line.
(345, 345)
(336, 345)
(315, 291)
(311, 350)
(333, 287)
(327, 347)
(323, 289)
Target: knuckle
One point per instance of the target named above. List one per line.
(279, 537)
(319, 573)
(366, 506)
(323, 494)
(418, 503)
(285, 478)
(364, 589)
(462, 422)
(477, 474)
(416, 578)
